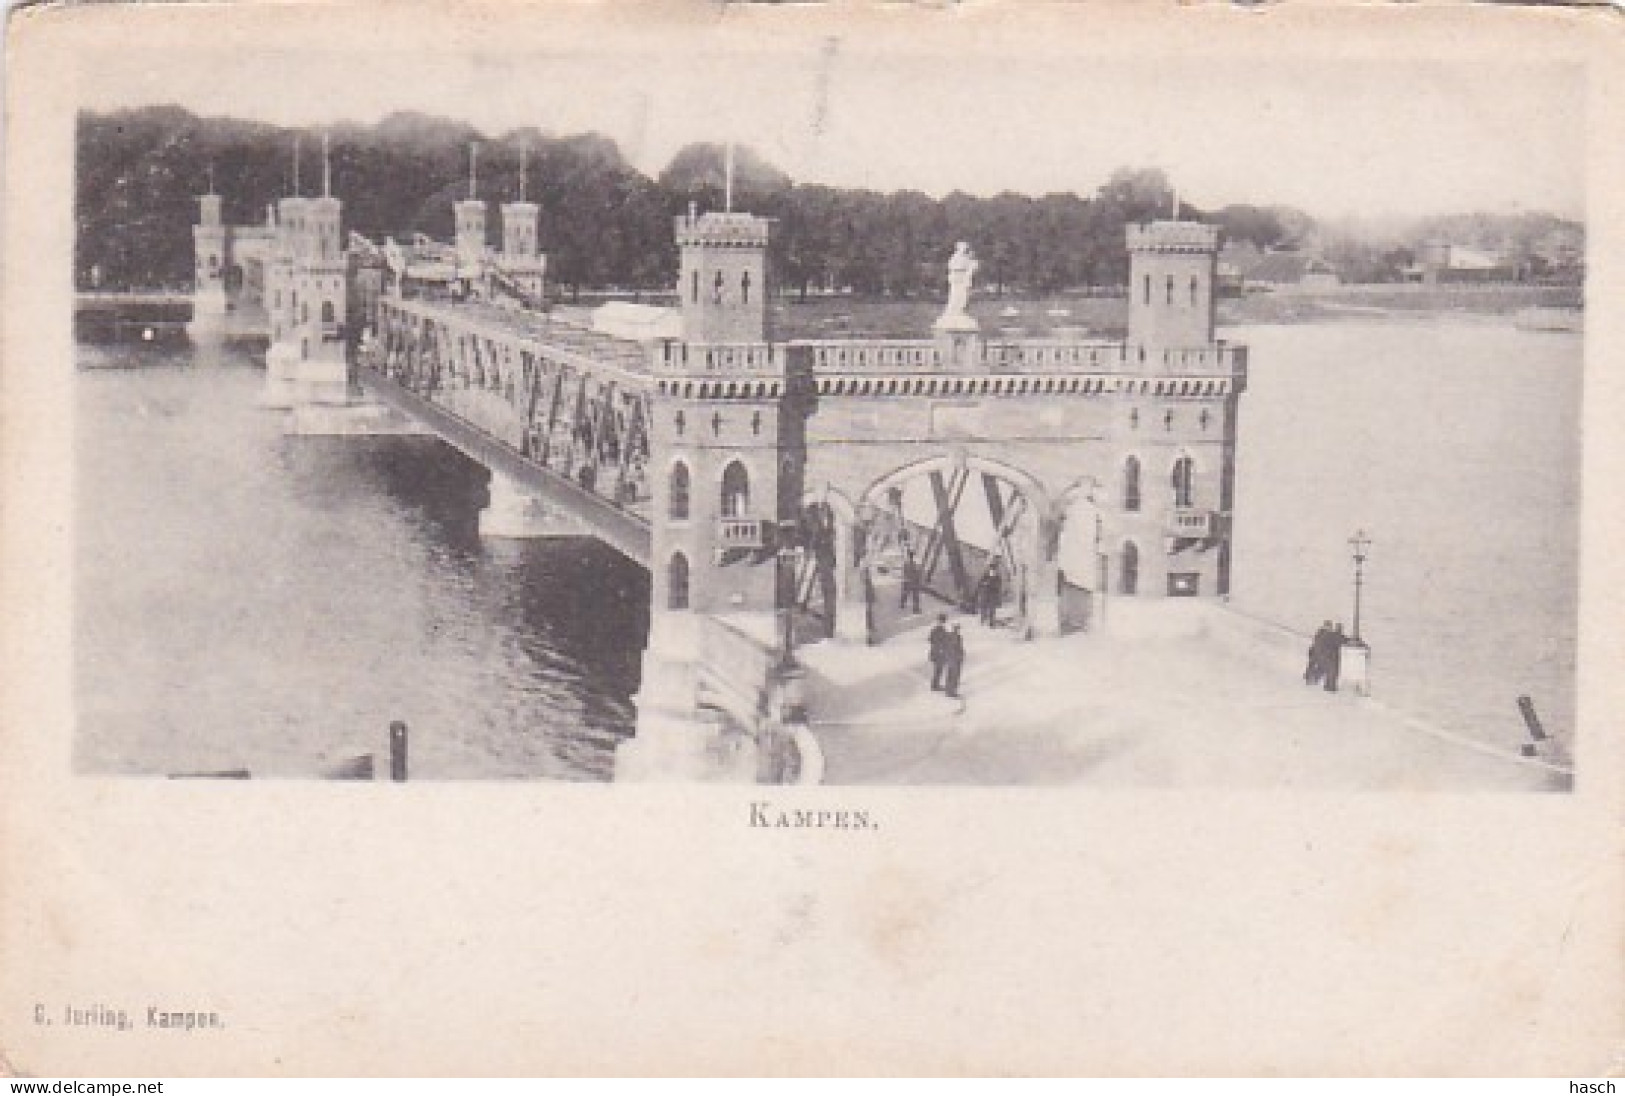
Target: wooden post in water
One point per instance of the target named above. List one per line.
(397, 751)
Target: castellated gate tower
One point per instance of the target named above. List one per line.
(209, 238)
(307, 299)
(521, 258)
(726, 480)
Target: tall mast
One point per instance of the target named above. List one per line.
(473, 168)
(728, 179)
(327, 170)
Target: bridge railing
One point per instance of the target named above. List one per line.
(895, 356)
(1056, 355)
(753, 359)
(1025, 356)
(1221, 359)
(876, 355)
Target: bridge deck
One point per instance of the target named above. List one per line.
(539, 327)
(622, 528)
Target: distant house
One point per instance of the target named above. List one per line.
(1235, 259)
(1442, 263)
(1291, 269)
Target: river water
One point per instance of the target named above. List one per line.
(1455, 443)
(246, 600)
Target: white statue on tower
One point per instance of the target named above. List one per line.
(961, 269)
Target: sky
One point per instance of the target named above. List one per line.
(1376, 139)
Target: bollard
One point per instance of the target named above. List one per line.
(1526, 707)
(397, 751)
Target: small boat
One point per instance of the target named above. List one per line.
(1550, 318)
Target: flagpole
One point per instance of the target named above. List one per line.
(728, 179)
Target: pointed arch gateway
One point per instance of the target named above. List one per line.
(967, 531)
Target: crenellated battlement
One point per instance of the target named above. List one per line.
(722, 230)
(1173, 236)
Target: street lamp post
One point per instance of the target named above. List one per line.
(1360, 543)
(1356, 653)
(786, 557)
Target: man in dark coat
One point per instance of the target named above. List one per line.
(1332, 660)
(911, 582)
(955, 650)
(1315, 670)
(988, 595)
(939, 652)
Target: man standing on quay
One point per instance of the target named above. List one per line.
(939, 652)
(955, 652)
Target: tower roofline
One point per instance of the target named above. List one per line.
(1176, 236)
(723, 230)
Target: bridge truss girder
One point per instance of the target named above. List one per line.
(558, 413)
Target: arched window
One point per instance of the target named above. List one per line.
(744, 288)
(1170, 289)
(678, 491)
(694, 287)
(716, 288)
(327, 313)
(1195, 290)
(677, 582)
(1128, 574)
(735, 491)
(304, 312)
(1148, 289)
(214, 262)
(1183, 478)
(1131, 484)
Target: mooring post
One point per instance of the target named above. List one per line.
(397, 751)
(1526, 707)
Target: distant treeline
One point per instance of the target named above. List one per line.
(604, 223)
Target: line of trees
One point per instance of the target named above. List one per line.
(604, 223)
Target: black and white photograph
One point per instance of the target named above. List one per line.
(679, 430)
(757, 538)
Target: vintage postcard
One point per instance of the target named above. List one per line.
(551, 538)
